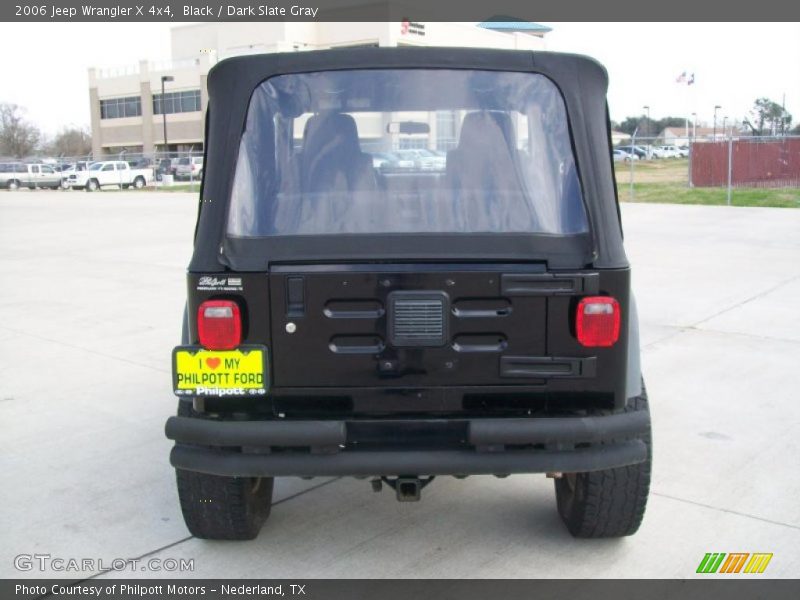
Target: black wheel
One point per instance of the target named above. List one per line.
(92, 185)
(13, 185)
(222, 508)
(610, 503)
(138, 183)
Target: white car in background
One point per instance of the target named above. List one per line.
(666, 152)
(622, 156)
(71, 169)
(110, 172)
(15, 175)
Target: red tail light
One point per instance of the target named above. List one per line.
(219, 324)
(597, 321)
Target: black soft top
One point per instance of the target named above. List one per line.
(582, 81)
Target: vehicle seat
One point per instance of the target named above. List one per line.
(332, 160)
(337, 179)
(483, 175)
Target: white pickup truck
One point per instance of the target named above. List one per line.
(110, 172)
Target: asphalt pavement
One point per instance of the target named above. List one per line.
(91, 299)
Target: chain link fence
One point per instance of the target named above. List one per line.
(729, 169)
(733, 169)
(164, 171)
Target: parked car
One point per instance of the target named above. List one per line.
(110, 172)
(398, 332)
(379, 159)
(12, 175)
(398, 162)
(621, 155)
(189, 167)
(71, 169)
(16, 175)
(164, 167)
(672, 151)
(140, 163)
(665, 152)
(642, 152)
(424, 159)
(684, 151)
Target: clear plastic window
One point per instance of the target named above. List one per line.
(406, 151)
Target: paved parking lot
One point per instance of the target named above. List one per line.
(91, 300)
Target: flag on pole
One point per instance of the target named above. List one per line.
(691, 79)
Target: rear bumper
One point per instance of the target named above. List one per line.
(476, 446)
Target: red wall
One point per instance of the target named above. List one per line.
(755, 163)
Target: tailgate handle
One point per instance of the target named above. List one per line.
(549, 284)
(547, 366)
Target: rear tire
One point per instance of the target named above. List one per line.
(222, 508)
(138, 183)
(609, 503)
(13, 185)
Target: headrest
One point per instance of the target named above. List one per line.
(328, 132)
(488, 128)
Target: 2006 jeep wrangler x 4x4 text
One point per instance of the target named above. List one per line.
(470, 318)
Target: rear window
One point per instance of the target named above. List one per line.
(406, 151)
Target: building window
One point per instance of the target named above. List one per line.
(446, 138)
(117, 108)
(176, 102)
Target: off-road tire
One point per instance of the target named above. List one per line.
(609, 503)
(222, 508)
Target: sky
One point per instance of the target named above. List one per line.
(45, 64)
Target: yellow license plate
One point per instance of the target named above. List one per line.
(200, 372)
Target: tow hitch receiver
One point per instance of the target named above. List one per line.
(408, 489)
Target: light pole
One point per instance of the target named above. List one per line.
(647, 123)
(716, 108)
(691, 147)
(724, 122)
(164, 79)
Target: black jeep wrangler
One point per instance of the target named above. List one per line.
(354, 309)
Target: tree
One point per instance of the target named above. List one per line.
(70, 141)
(18, 137)
(630, 124)
(768, 118)
(651, 127)
(796, 130)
